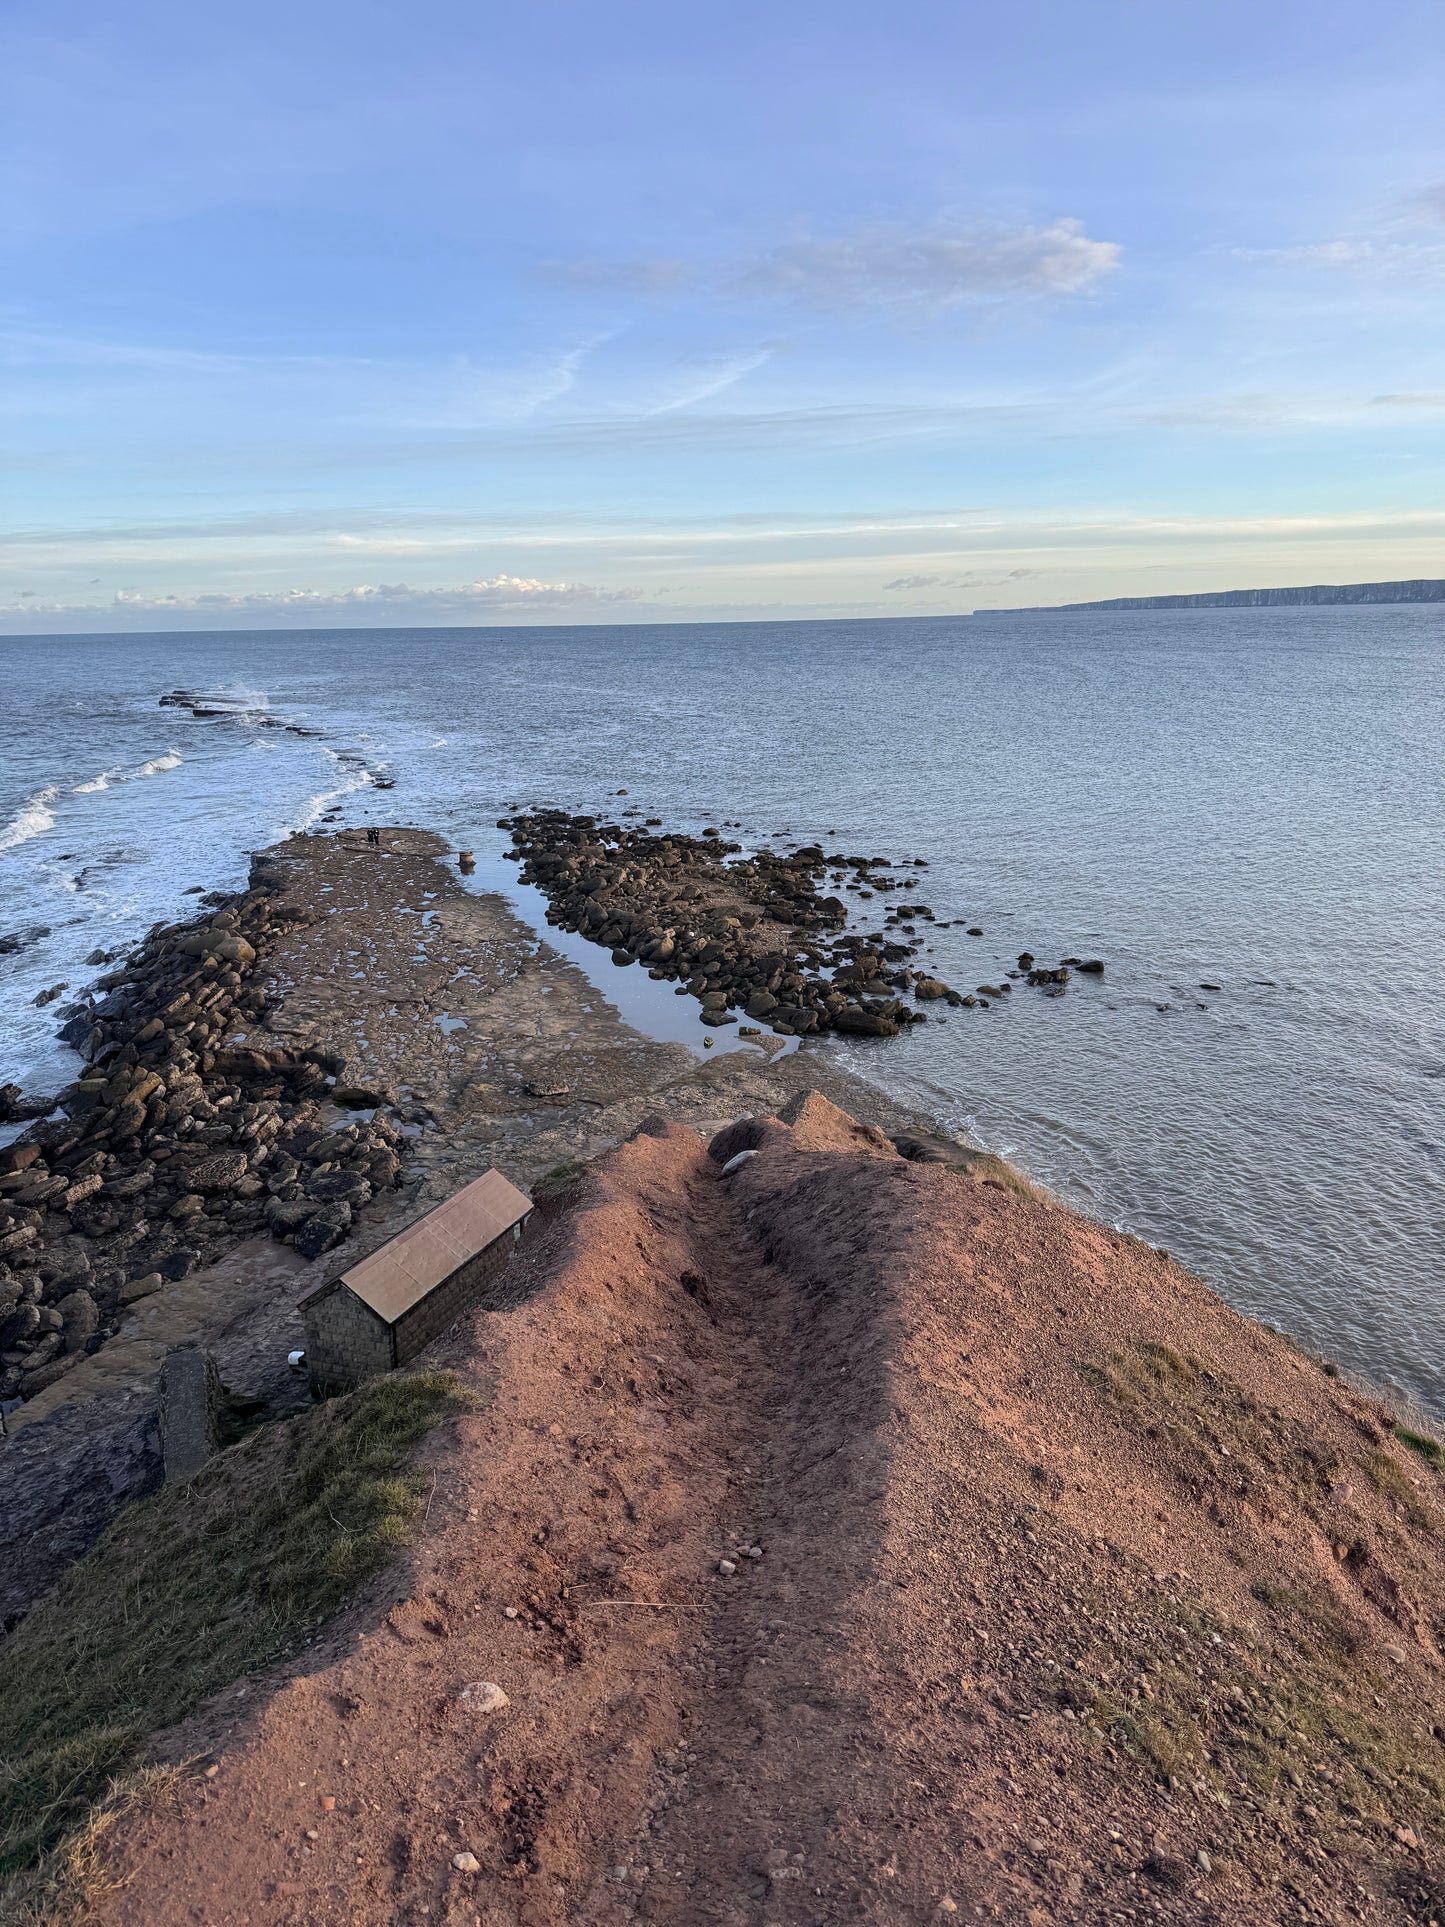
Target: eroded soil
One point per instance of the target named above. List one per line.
(854, 1538)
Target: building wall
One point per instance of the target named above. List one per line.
(453, 1296)
(345, 1341)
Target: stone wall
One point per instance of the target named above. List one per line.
(454, 1295)
(345, 1340)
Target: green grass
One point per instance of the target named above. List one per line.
(196, 1586)
(1420, 1442)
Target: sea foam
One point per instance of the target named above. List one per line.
(33, 820)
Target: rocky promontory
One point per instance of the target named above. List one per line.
(752, 933)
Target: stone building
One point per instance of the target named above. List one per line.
(390, 1305)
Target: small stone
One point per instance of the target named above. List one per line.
(328, 1804)
(484, 1696)
(1206, 1865)
(1406, 1836)
(726, 1568)
(509, 1612)
(211, 1772)
(312, 1834)
(754, 1552)
(466, 1863)
(1396, 1653)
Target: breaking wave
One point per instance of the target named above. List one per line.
(33, 820)
(322, 801)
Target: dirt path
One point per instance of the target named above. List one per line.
(1077, 1597)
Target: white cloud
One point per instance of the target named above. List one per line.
(504, 596)
(972, 580)
(886, 267)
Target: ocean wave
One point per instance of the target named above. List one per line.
(101, 782)
(33, 820)
(158, 765)
(323, 800)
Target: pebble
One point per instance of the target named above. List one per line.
(1206, 1865)
(726, 1568)
(484, 1696)
(1397, 1653)
(466, 1863)
(509, 1612)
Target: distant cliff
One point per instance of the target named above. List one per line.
(1420, 590)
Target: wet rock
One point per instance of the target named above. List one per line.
(331, 1186)
(860, 1022)
(325, 1228)
(287, 1215)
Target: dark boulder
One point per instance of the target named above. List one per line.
(323, 1229)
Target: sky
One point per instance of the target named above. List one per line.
(445, 313)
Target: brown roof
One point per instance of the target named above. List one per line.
(399, 1274)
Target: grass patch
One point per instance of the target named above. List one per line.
(194, 1587)
(1390, 1479)
(1420, 1442)
(558, 1184)
(1225, 1444)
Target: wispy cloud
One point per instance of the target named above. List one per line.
(710, 377)
(884, 268)
(1411, 398)
(1402, 240)
(501, 595)
(910, 584)
(1358, 254)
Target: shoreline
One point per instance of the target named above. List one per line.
(857, 1458)
(198, 1203)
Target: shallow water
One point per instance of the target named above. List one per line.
(1252, 799)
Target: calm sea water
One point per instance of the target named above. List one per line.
(1248, 799)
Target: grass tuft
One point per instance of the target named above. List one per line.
(1420, 1442)
(192, 1588)
(1390, 1479)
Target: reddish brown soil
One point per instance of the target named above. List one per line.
(1080, 1599)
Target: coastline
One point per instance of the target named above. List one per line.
(1025, 1576)
(375, 973)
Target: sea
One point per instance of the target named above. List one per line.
(1242, 812)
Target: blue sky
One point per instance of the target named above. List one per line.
(447, 313)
